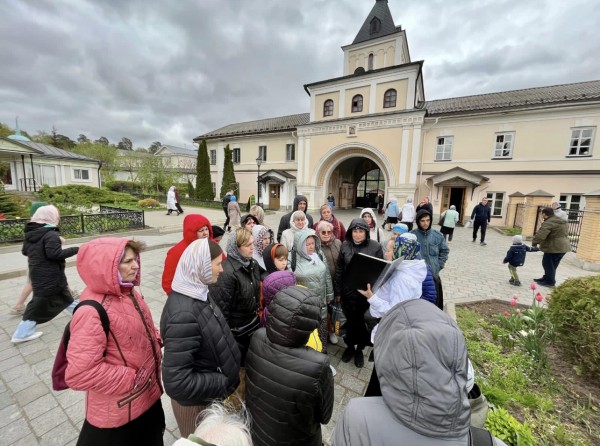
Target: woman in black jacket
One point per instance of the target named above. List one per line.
(289, 385)
(46, 260)
(354, 304)
(201, 360)
(237, 291)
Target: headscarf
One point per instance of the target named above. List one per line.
(234, 253)
(194, 271)
(259, 232)
(314, 258)
(232, 198)
(172, 189)
(297, 214)
(46, 215)
(407, 246)
(453, 207)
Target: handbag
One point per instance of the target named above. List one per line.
(336, 317)
(248, 329)
(442, 219)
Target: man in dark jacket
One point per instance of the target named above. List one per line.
(434, 250)
(225, 204)
(300, 204)
(289, 386)
(554, 243)
(354, 304)
(481, 217)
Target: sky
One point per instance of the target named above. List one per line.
(153, 70)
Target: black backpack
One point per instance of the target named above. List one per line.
(480, 437)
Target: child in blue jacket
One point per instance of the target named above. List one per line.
(515, 257)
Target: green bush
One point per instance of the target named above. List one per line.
(76, 198)
(574, 309)
(120, 186)
(505, 427)
(148, 203)
(11, 206)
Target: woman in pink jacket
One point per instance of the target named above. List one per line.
(120, 373)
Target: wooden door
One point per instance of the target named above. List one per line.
(445, 199)
(274, 195)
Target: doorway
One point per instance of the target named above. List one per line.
(454, 196)
(274, 196)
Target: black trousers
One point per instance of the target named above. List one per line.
(440, 292)
(550, 262)
(226, 219)
(479, 224)
(356, 328)
(179, 208)
(147, 430)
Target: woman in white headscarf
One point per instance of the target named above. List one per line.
(171, 201)
(263, 237)
(201, 360)
(46, 259)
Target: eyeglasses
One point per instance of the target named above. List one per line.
(326, 232)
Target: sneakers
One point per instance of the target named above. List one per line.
(517, 283)
(333, 370)
(483, 244)
(511, 280)
(359, 359)
(541, 279)
(474, 240)
(36, 335)
(348, 353)
(546, 284)
(17, 311)
(333, 339)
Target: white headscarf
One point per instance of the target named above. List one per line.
(194, 271)
(47, 215)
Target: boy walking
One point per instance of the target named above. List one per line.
(515, 257)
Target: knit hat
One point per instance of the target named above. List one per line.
(400, 228)
(517, 239)
(217, 231)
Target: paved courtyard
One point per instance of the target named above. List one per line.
(33, 414)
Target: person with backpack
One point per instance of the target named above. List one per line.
(424, 398)
(119, 372)
(225, 205)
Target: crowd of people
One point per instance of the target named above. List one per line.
(242, 346)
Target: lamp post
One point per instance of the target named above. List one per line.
(258, 163)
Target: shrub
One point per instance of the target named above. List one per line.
(76, 198)
(11, 206)
(504, 426)
(574, 309)
(148, 203)
(120, 186)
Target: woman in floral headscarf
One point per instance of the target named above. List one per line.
(263, 237)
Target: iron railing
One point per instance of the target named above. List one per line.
(574, 222)
(109, 219)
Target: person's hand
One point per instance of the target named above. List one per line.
(62, 239)
(367, 293)
(338, 299)
(141, 378)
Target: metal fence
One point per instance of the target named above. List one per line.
(574, 221)
(109, 219)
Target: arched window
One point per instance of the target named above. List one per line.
(389, 98)
(357, 103)
(328, 108)
(371, 57)
(375, 25)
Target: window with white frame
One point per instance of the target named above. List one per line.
(213, 157)
(290, 152)
(214, 189)
(495, 202)
(389, 98)
(571, 201)
(236, 156)
(262, 152)
(357, 103)
(328, 108)
(443, 149)
(581, 141)
(504, 145)
(81, 174)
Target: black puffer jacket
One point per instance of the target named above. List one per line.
(289, 387)
(237, 291)
(201, 361)
(46, 259)
(349, 248)
(284, 223)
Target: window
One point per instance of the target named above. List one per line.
(389, 98)
(371, 59)
(214, 189)
(375, 26)
(581, 141)
(570, 202)
(213, 157)
(262, 152)
(496, 200)
(328, 108)
(443, 150)
(504, 145)
(81, 174)
(236, 156)
(290, 152)
(357, 103)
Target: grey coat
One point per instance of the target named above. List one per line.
(434, 249)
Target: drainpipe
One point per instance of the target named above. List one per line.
(422, 159)
(33, 172)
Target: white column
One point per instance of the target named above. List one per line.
(372, 97)
(414, 159)
(403, 156)
(306, 169)
(300, 158)
(342, 105)
(312, 107)
(410, 94)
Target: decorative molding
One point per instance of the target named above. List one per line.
(371, 124)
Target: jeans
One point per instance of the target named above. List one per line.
(550, 262)
(479, 224)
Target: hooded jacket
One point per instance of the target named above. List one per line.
(287, 237)
(191, 224)
(289, 386)
(201, 357)
(111, 400)
(284, 223)
(274, 283)
(552, 236)
(421, 362)
(434, 249)
(349, 248)
(375, 233)
(313, 275)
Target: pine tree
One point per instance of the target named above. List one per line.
(9, 207)
(203, 183)
(229, 182)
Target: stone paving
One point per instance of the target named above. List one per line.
(33, 414)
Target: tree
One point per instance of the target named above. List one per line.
(203, 184)
(125, 144)
(154, 147)
(131, 162)
(42, 137)
(229, 181)
(5, 130)
(105, 154)
(153, 175)
(103, 140)
(82, 139)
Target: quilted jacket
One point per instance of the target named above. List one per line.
(111, 400)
